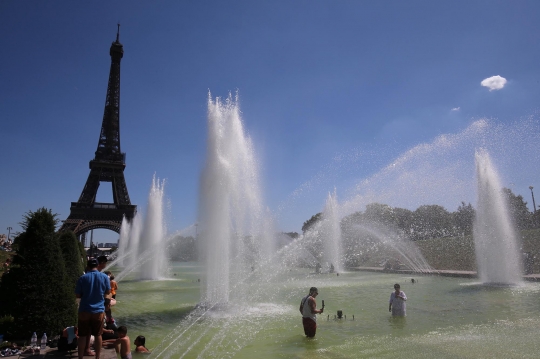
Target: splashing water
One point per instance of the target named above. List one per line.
(331, 233)
(153, 237)
(123, 242)
(495, 237)
(235, 235)
(143, 246)
(233, 243)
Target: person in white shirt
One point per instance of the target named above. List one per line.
(397, 302)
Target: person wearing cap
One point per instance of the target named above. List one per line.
(308, 308)
(91, 288)
(397, 302)
(102, 263)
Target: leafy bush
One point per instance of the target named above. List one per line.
(36, 292)
(6, 325)
(72, 257)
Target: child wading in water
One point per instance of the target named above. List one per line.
(114, 286)
(122, 344)
(140, 341)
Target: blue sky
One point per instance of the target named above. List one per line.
(331, 93)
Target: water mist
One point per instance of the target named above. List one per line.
(330, 231)
(495, 238)
(234, 234)
(142, 246)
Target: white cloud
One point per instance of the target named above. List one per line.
(456, 109)
(494, 82)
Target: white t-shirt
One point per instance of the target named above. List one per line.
(306, 309)
(399, 308)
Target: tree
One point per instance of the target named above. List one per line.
(293, 235)
(464, 219)
(310, 222)
(72, 257)
(518, 210)
(36, 292)
(431, 221)
(183, 249)
(380, 214)
(403, 219)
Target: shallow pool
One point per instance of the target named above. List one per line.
(446, 317)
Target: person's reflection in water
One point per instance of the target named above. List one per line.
(397, 322)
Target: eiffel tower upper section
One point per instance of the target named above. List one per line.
(108, 149)
(107, 166)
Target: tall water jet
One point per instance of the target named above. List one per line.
(232, 239)
(123, 242)
(152, 240)
(331, 233)
(495, 237)
(135, 230)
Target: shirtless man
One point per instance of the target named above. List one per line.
(308, 308)
(122, 344)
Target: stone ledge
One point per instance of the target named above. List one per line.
(54, 353)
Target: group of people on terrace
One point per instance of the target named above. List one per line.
(5, 244)
(97, 293)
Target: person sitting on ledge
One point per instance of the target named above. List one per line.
(110, 327)
(121, 345)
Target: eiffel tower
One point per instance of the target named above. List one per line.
(107, 166)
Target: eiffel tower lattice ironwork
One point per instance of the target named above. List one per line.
(107, 166)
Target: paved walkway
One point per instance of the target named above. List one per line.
(443, 273)
(54, 353)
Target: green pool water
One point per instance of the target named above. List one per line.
(446, 317)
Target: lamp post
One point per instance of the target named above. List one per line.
(534, 207)
(534, 204)
(9, 232)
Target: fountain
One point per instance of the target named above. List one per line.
(153, 235)
(123, 243)
(250, 291)
(495, 237)
(331, 233)
(142, 247)
(234, 231)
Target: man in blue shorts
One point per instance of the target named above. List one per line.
(91, 288)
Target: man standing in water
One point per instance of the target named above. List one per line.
(308, 308)
(397, 302)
